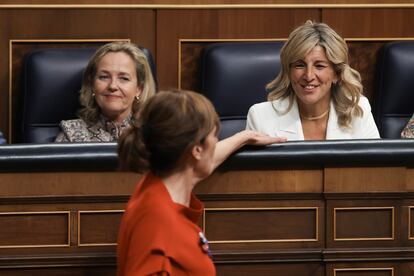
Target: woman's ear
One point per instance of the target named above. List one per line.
(197, 151)
(139, 90)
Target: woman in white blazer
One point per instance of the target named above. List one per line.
(316, 95)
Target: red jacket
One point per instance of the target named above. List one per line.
(157, 235)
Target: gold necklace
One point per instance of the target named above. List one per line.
(316, 117)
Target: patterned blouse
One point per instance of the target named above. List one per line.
(78, 130)
(408, 131)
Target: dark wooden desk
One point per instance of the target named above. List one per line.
(310, 208)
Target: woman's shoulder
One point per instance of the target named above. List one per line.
(150, 192)
(75, 130)
(365, 105)
(150, 217)
(258, 106)
(364, 102)
(270, 108)
(270, 105)
(73, 124)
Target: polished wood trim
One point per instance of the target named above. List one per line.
(229, 39)
(370, 179)
(38, 213)
(179, 64)
(364, 269)
(410, 208)
(11, 41)
(94, 212)
(367, 238)
(64, 199)
(205, 6)
(378, 39)
(264, 209)
(10, 136)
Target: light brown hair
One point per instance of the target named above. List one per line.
(166, 127)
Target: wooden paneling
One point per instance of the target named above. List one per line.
(411, 222)
(271, 269)
(372, 269)
(362, 223)
(410, 179)
(363, 58)
(364, 272)
(277, 221)
(173, 25)
(346, 192)
(244, 225)
(170, 3)
(371, 23)
(271, 181)
(34, 229)
(99, 228)
(105, 269)
(103, 183)
(354, 180)
(354, 222)
(407, 268)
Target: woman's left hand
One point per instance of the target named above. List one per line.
(246, 137)
(259, 139)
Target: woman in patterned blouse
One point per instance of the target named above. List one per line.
(117, 80)
(408, 131)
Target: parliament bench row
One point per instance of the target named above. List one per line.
(232, 75)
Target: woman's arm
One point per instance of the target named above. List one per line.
(246, 137)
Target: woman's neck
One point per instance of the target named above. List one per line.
(180, 185)
(313, 112)
(117, 119)
(314, 120)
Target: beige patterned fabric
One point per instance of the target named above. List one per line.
(408, 131)
(79, 131)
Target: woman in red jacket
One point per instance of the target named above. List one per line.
(173, 140)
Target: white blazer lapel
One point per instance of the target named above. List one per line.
(289, 124)
(333, 131)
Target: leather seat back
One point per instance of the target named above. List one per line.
(394, 98)
(234, 76)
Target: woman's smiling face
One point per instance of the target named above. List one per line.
(312, 77)
(116, 85)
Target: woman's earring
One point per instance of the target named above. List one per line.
(93, 94)
(137, 98)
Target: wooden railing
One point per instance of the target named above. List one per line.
(298, 208)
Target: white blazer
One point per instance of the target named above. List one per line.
(263, 117)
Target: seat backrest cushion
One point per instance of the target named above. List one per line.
(394, 98)
(51, 82)
(234, 76)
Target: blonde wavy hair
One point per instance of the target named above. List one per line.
(345, 93)
(90, 111)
